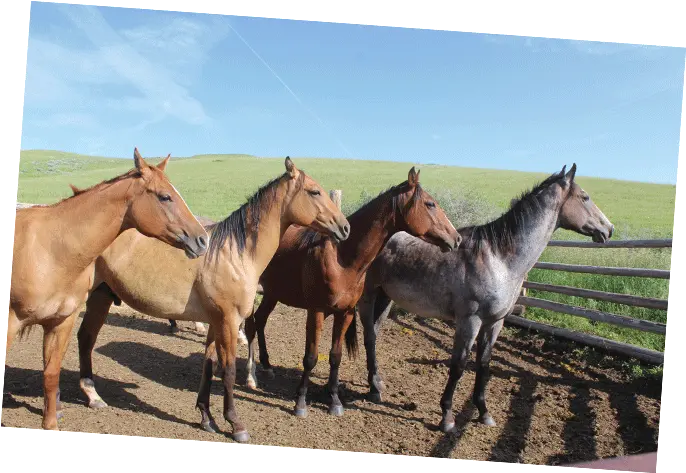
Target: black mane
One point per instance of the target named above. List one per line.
(245, 219)
(500, 233)
(309, 238)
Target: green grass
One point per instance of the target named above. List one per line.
(214, 185)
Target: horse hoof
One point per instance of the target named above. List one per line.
(375, 398)
(251, 384)
(241, 437)
(447, 428)
(97, 404)
(487, 420)
(269, 373)
(300, 412)
(336, 410)
(207, 427)
(60, 415)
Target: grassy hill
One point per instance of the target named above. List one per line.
(214, 185)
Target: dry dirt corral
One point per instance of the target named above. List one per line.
(551, 405)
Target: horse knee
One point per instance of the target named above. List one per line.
(310, 361)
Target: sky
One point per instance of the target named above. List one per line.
(102, 81)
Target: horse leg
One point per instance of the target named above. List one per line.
(241, 334)
(200, 327)
(484, 347)
(465, 334)
(340, 326)
(203, 402)
(55, 342)
(261, 315)
(226, 345)
(13, 327)
(97, 307)
(315, 322)
(250, 331)
(374, 308)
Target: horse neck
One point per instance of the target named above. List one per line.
(91, 221)
(530, 241)
(272, 227)
(370, 228)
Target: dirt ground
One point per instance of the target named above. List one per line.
(552, 404)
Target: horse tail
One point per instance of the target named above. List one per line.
(351, 337)
(380, 303)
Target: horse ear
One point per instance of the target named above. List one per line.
(564, 168)
(413, 177)
(290, 167)
(138, 160)
(569, 177)
(164, 162)
(75, 190)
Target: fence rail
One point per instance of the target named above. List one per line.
(641, 353)
(625, 299)
(605, 270)
(665, 243)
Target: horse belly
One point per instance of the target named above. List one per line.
(421, 303)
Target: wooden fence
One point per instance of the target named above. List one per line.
(611, 346)
(644, 354)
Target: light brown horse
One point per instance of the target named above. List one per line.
(219, 288)
(55, 248)
(314, 273)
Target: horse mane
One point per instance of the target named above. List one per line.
(500, 233)
(309, 238)
(76, 191)
(246, 219)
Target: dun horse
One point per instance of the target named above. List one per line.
(218, 289)
(477, 285)
(55, 248)
(314, 273)
(199, 326)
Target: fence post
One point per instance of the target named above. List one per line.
(337, 197)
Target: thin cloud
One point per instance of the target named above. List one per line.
(141, 75)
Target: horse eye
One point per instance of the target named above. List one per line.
(586, 198)
(164, 197)
(431, 205)
(314, 192)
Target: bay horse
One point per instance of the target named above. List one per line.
(477, 285)
(218, 289)
(312, 272)
(55, 248)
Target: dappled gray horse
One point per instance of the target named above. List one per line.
(476, 285)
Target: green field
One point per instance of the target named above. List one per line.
(214, 185)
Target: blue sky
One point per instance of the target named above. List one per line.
(103, 80)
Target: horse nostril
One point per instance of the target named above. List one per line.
(202, 242)
(612, 230)
(346, 229)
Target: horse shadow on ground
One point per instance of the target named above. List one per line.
(29, 382)
(579, 431)
(183, 373)
(160, 327)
